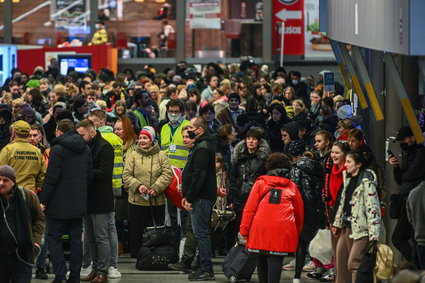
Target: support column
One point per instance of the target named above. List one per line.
(267, 31)
(180, 29)
(94, 9)
(7, 15)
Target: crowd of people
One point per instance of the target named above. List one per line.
(285, 157)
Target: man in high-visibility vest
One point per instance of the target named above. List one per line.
(171, 140)
(98, 117)
(171, 134)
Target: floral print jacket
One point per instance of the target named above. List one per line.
(365, 207)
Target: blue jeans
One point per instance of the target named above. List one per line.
(200, 217)
(13, 270)
(57, 228)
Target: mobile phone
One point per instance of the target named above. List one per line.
(390, 153)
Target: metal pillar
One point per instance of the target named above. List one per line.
(355, 51)
(7, 15)
(180, 30)
(267, 31)
(347, 59)
(342, 66)
(404, 100)
(94, 9)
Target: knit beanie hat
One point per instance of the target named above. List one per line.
(235, 95)
(296, 148)
(8, 172)
(148, 131)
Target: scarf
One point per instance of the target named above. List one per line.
(335, 182)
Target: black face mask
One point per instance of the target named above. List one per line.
(192, 134)
(407, 147)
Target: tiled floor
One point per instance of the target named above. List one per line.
(131, 275)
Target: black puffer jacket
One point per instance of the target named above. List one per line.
(6, 115)
(246, 168)
(308, 175)
(64, 190)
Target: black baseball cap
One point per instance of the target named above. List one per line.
(403, 133)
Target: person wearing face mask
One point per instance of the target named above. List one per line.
(172, 143)
(199, 189)
(408, 175)
(100, 36)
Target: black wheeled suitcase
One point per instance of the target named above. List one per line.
(239, 264)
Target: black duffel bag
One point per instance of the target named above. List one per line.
(157, 235)
(156, 258)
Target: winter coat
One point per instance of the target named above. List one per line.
(27, 222)
(199, 180)
(365, 208)
(225, 117)
(27, 161)
(100, 198)
(246, 168)
(272, 228)
(308, 175)
(149, 167)
(64, 190)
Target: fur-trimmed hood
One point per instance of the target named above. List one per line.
(240, 151)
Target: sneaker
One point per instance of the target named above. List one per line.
(289, 266)
(201, 276)
(310, 266)
(317, 273)
(328, 276)
(86, 271)
(180, 266)
(296, 280)
(41, 274)
(113, 273)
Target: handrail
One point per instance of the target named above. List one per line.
(26, 14)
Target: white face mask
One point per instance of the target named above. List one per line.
(174, 118)
(97, 26)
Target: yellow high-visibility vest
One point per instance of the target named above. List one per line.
(117, 144)
(173, 145)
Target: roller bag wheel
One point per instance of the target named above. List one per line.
(239, 264)
(156, 257)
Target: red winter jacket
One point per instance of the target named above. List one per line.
(273, 227)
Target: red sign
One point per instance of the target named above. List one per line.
(291, 13)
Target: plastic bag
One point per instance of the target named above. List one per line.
(321, 246)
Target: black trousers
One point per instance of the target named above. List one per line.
(57, 228)
(403, 232)
(14, 270)
(269, 268)
(139, 218)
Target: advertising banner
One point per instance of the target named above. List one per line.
(204, 14)
(291, 13)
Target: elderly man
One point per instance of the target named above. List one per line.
(21, 228)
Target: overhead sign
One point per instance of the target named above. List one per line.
(329, 81)
(204, 14)
(291, 12)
